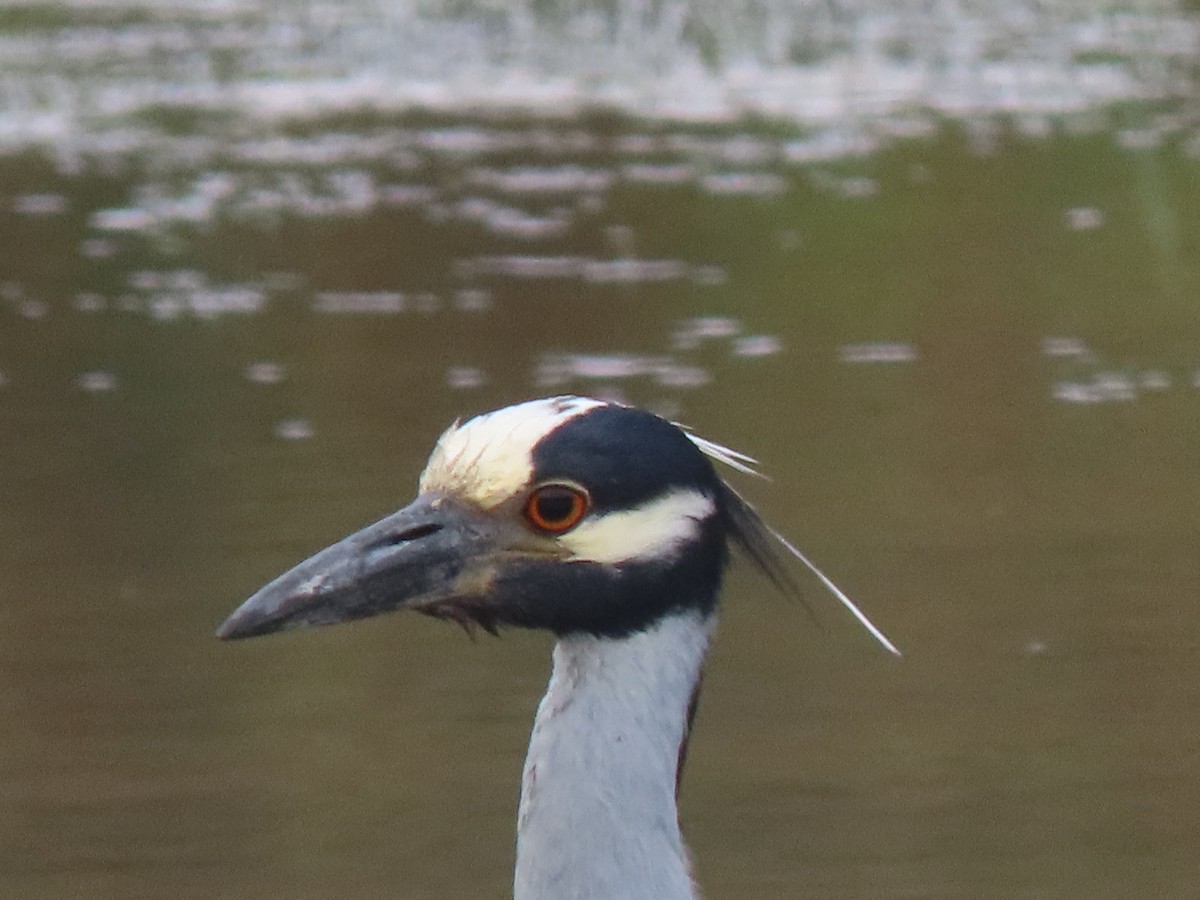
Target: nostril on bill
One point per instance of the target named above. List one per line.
(407, 536)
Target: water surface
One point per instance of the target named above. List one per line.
(962, 340)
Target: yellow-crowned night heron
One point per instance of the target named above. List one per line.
(609, 527)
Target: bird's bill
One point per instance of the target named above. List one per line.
(437, 555)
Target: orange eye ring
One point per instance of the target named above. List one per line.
(556, 507)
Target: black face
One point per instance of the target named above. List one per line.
(624, 456)
(505, 566)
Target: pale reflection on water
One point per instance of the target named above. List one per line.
(967, 354)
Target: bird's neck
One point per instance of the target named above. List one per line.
(598, 818)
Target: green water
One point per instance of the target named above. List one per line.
(1013, 499)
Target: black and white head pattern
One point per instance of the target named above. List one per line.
(649, 535)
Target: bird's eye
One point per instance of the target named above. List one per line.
(556, 507)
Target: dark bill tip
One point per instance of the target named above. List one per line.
(319, 591)
(233, 630)
(410, 558)
(244, 624)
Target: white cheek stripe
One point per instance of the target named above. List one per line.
(656, 530)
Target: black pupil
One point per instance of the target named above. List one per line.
(555, 504)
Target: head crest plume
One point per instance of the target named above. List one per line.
(762, 543)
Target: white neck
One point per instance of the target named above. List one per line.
(598, 819)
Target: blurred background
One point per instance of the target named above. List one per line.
(935, 264)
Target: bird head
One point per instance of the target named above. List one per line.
(566, 514)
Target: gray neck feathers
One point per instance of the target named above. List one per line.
(598, 818)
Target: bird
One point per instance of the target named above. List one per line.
(609, 527)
